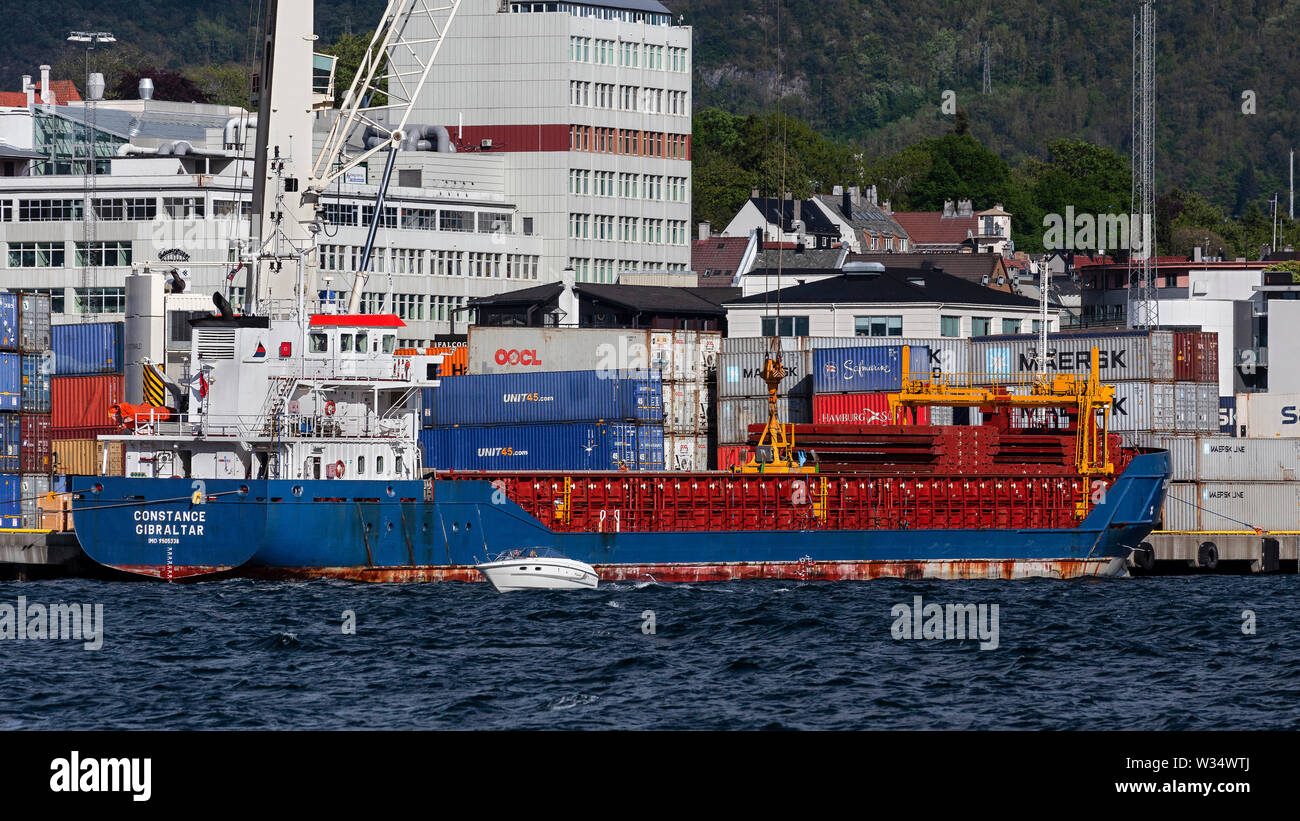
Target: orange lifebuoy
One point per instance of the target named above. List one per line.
(338, 468)
(329, 408)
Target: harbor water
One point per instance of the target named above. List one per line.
(1155, 653)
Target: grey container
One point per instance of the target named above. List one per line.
(736, 414)
(1162, 355)
(32, 488)
(1182, 451)
(1010, 359)
(1207, 408)
(1164, 408)
(1132, 409)
(685, 354)
(1181, 511)
(1241, 505)
(1229, 458)
(33, 322)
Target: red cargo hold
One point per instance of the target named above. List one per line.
(83, 401)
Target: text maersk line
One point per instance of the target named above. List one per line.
(169, 522)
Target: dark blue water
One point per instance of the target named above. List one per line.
(1102, 654)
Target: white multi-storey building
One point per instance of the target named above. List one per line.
(590, 104)
(448, 230)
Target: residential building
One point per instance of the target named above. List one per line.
(787, 220)
(865, 224)
(601, 305)
(589, 103)
(958, 228)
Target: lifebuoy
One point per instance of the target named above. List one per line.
(338, 468)
(329, 410)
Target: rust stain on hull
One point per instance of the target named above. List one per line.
(796, 571)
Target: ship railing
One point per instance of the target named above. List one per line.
(329, 370)
(273, 426)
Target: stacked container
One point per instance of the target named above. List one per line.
(684, 360)
(88, 362)
(11, 403)
(852, 385)
(1165, 381)
(562, 420)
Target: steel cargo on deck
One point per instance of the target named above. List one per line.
(573, 446)
(36, 382)
(33, 322)
(8, 322)
(539, 398)
(83, 401)
(1124, 355)
(34, 455)
(83, 349)
(11, 440)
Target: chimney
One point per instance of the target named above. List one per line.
(568, 300)
(884, 206)
(146, 88)
(871, 195)
(948, 210)
(798, 210)
(29, 90)
(95, 87)
(704, 230)
(753, 194)
(1196, 254)
(855, 194)
(46, 97)
(846, 206)
(964, 208)
(837, 190)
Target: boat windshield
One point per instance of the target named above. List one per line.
(529, 553)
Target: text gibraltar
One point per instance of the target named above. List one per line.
(169, 522)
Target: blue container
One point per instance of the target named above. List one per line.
(85, 349)
(8, 322)
(11, 439)
(11, 382)
(36, 383)
(865, 370)
(1228, 415)
(572, 446)
(11, 514)
(540, 398)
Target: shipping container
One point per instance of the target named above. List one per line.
(686, 408)
(1207, 366)
(865, 369)
(535, 398)
(110, 458)
(36, 382)
(84, 433)
(859, 409)
(736, 414)
(33, 322)
(76, 457)
(82, 349)
(686, 453)
(34, 455)
(1182, 450)
(83, 401)
(1134, 410)
(532, 350)
(732, 456)
(1163, 353)
(1234, 506)
(8, 322)
(11, 513)
(11, 382)
(1228, 415)
(1262, 415)
(1124, 355)
(32, 489)
(1207, 407)
(11, 439)
(740, 363)
(1164, 408)
(573, 446)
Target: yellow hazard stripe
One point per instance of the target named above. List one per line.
(153, 388)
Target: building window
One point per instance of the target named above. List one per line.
(36, 255)
(100, 301)
(184, 207)
(950, 326)
(877, 326)
(49, 210)
(1010, 326)
(785, 326)
(981, 326)
(103, 254)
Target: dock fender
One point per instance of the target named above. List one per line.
(1144, 556)
(1207, 555)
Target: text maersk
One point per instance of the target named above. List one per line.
(1073, 360)
(169, 522)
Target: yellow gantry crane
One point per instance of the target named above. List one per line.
(775, 452)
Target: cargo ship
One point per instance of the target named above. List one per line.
(299, 457)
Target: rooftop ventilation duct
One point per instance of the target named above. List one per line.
(146, 88)
(95, 87)
(864, 268)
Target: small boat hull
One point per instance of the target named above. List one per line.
(539, 573)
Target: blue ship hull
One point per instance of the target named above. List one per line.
(387, 531)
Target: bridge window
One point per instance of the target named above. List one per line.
(320, 343)
(379, 466)
(363, 340)
(361, 465)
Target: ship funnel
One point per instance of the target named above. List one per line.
(222, 305)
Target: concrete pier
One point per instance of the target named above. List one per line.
(1216, 552)
(26, 554)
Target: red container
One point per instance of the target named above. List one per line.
(858, 409)
(1185, 355)
(83, 401)
(34, 453)
(730, 456)
(83, 433)
(1207, 365)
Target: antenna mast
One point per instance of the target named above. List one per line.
(1143, 302)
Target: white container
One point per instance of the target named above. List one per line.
(676, 354)
(1269, 414)
(736, 414)
(1181, 512)
(1228, 458)
(1007, 359)
(1267, 505)
(686, 453)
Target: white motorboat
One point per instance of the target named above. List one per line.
(537, 568)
